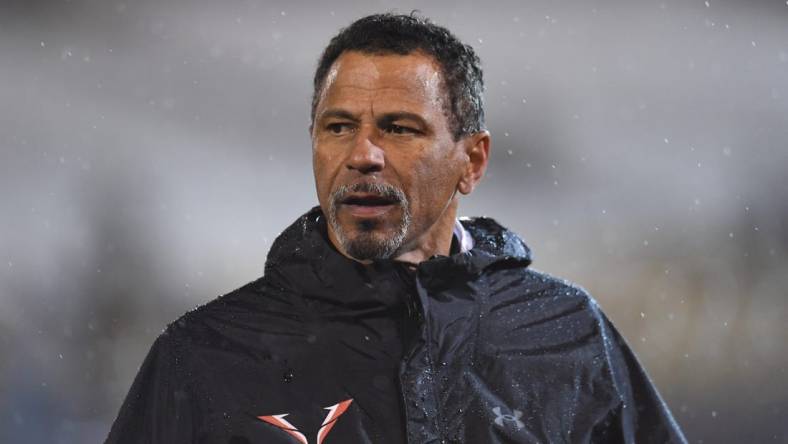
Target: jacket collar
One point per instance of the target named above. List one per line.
(303, 259)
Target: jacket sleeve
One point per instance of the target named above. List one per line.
(641, 416)
(158, 408)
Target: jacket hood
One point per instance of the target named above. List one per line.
(303, 257)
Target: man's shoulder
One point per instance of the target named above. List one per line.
(531, 300)
(254, 303)
(514, 288)
(528, 283)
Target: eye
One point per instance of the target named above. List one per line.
(339, 128)
(400, 130)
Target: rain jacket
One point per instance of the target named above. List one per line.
(471, 348)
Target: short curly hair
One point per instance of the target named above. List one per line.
(404, 34)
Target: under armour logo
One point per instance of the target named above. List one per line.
(334, 412)
(515, 418)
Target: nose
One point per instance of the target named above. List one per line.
(366, 156)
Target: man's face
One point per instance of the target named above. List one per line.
(386, 166)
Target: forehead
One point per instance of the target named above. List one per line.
(405, 79)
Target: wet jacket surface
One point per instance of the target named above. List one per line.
(471, 348)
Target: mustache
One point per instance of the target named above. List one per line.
(381, 190)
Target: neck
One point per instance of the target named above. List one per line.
(435, 241)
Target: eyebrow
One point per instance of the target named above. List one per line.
(338, 114)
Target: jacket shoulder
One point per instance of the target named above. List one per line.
(253, 303)
(533, 287)
(531, 313)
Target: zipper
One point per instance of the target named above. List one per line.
(411, 330)
(418, 344)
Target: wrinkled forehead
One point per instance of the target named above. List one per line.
(414, 76)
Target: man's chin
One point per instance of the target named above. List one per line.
(370, 245)
(367, 251)
(369, 238)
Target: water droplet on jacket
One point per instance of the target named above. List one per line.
(288, 376)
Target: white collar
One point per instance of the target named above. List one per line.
(463, 237)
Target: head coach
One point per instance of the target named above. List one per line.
(382, 317)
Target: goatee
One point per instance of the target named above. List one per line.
(369, 243)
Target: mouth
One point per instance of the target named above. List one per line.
(368, 205)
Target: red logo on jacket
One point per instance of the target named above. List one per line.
(334, 412)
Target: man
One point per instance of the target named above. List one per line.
(381, 318)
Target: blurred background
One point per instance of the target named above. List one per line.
(150, 151)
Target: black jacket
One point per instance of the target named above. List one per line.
(471, 348)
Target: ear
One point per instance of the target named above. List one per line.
(477, 150)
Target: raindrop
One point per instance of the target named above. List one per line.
(288, 375)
